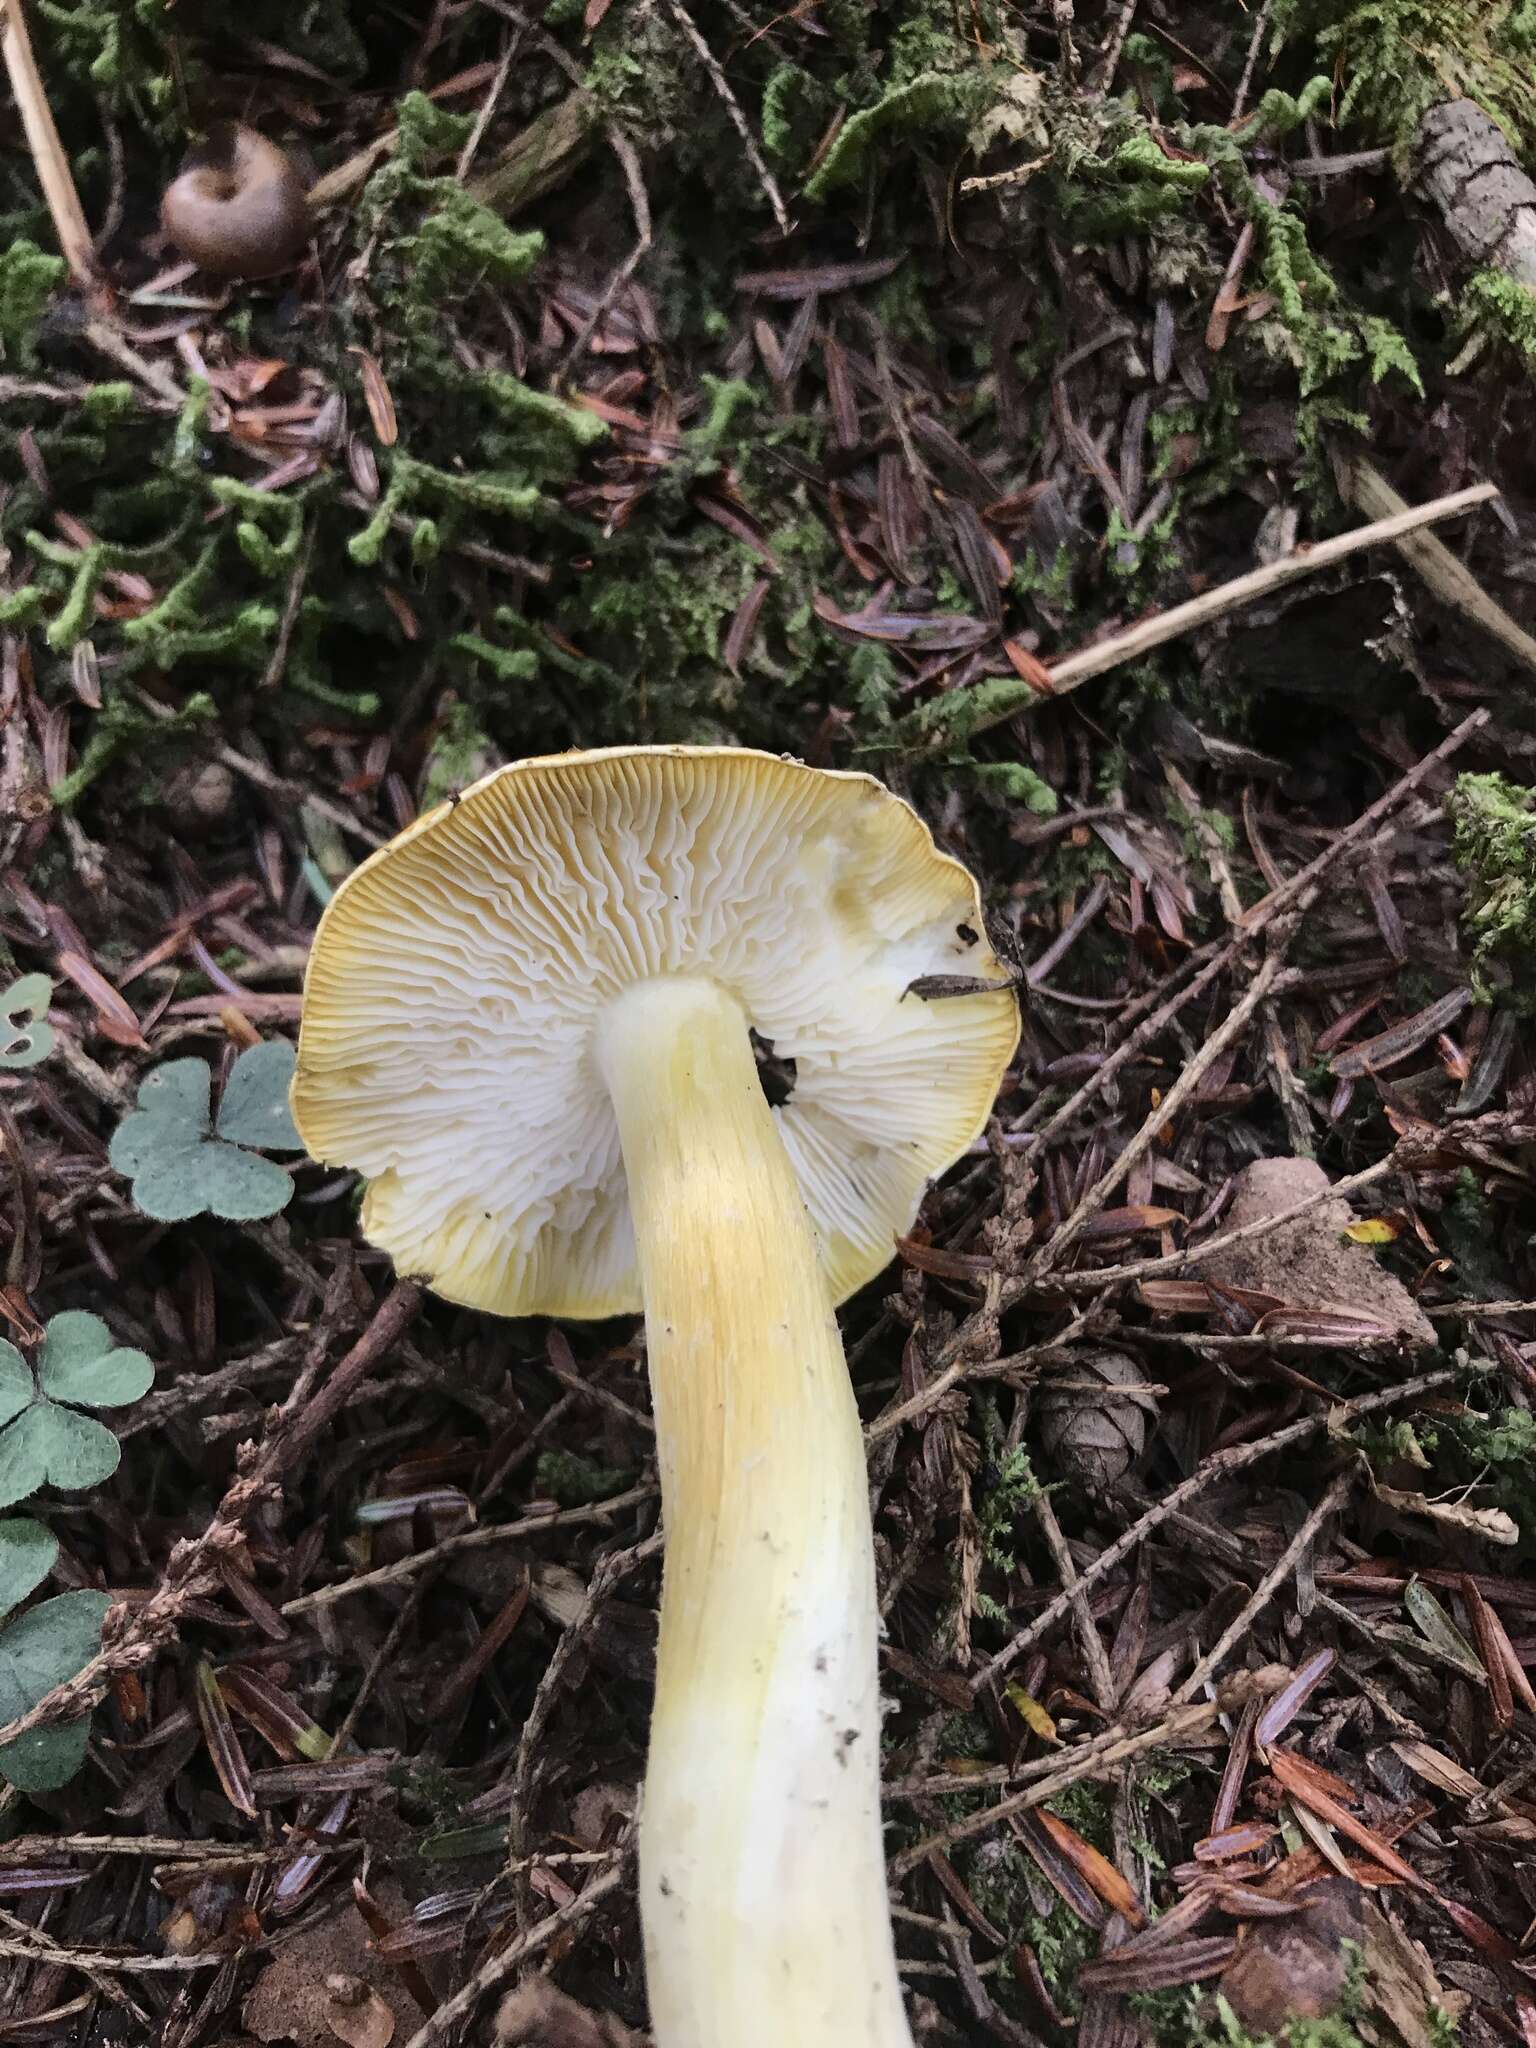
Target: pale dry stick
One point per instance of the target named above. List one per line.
(1258, 914)
(1091, 1642)
(1447, 577)
(1140, 639)
(487, 107)
(42, 135)
(268, 779)
(1174, 1262)
(1108, 61)
(50, 1950)
(105, 339)
(1268, 979)
(610, 1572)
(1293, 1099)
(469, 1539)
(1240, 98)
(46, 1849)
(499, 1967)
(1265, 1590)
(90, 1960)
(738, 119)
(1220, 1465)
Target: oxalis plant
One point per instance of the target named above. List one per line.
(25, 1035)
(46, 1439)
(186, 1161)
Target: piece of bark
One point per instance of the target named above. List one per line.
(1466, 168)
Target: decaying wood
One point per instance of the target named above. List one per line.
(1467, 169)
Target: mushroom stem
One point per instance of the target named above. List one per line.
(762, 1870)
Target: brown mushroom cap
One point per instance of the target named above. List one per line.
(238, 207)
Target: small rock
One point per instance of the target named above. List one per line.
(1309, 1263)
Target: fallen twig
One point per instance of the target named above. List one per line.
(940, 718)
(498, 1967)
(53, 172)
(1221, 1465)
(1265, 1590)
(1448, 578)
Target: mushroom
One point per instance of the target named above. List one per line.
(529, 1021)
(238, 206)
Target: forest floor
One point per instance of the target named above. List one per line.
(976, 394)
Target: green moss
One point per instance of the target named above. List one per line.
(121, 726)
(796, 108)
(104, 405)
(1394, 59)
(575, 1481)
(1016, 784)
(935, 105)
(460, 754)
(1496, 307)
(28, 279)
(1495, 848)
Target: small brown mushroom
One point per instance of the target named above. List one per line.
(238, 206)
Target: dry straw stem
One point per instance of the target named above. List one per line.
(1265, 1590)
(1448, 578)
(53, 172)
(469, 1539)
(1146, 634)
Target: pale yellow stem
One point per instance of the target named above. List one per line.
(762, 1872)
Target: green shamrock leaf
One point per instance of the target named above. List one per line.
(24, 1037)
(39, 1650)
(184, 1162)
(28, 1553)
(44, 1440)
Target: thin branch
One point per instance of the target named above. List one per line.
(499, 1967)
(53, 172)
(1264, 982)
(1095, 1657)
(1175, 1262)
(1265, 1590)
(1241, 591)
(718, 79)
(469, 1539)
(1220, 1466)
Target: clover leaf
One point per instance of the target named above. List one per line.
(28, 1553)
(24, 1037)
(184, 1162)
(44, 1440)
(39, 1650)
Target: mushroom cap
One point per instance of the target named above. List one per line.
(458, 979)
(238, 207)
